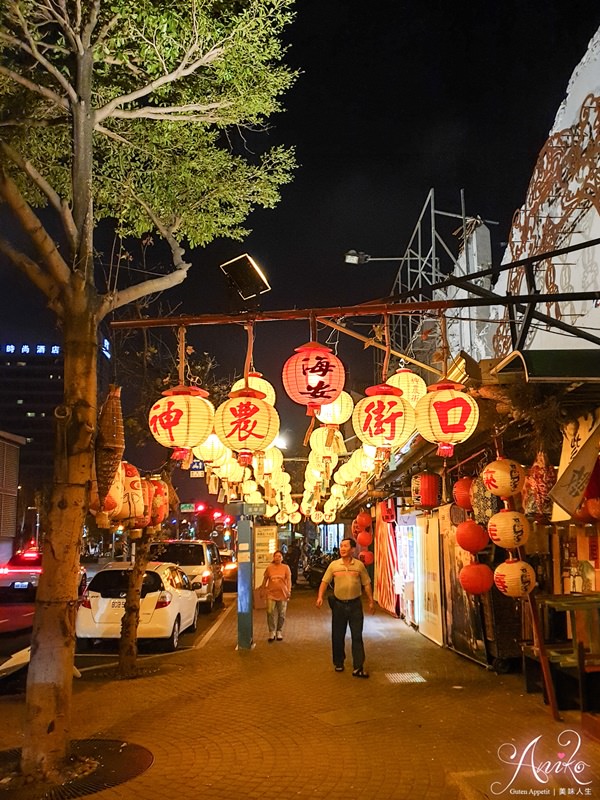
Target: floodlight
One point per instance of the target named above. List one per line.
(246, 276)
(356, 257)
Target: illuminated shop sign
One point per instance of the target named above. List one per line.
(31, 349)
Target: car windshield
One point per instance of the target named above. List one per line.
(26, 559)
(182, 553)
(226, 557)
(113, 582)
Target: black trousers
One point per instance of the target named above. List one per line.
(342, 615)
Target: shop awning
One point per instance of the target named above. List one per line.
(549, 366)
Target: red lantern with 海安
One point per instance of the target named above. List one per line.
(383, 419)
(446, 416)
(246, 423)
(313, 376)
(182, 418)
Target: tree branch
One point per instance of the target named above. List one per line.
(181, 71)
(57, 267)
(173, 112)
(54, 198)
(33, 272)
(35, 87)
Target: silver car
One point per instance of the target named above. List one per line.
(200, 561)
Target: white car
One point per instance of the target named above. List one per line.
(199, 559)
(168, 604)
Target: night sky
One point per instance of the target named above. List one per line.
(394, 98)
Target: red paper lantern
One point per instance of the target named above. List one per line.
(246, 423)
(476, 578)
(383, 418)
(509, 529)
(364, 539)
(471, 536)
(426, 490)
(446, 416)
(160, 502)
(514, 578)
(366, 557)
(314, 376)
(593, 507)
(461, 492)
(182, 417)
(363, 519)
(504, 477)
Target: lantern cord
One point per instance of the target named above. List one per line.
(309, 430)
(312, 320)
(181, 354)
(386, 359)
(248, 363)
(444, 348)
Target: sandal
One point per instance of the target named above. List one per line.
(359, 673)
(339, 669)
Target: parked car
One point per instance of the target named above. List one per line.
(230, 568)
(200, 561)
(168, 604)
(20, 576)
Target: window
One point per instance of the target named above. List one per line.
(114, 582)
(183, 553)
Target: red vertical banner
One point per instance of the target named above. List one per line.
(386, 558)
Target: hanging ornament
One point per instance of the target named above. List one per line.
(327, 441)
(363, 520)
(246, 423)
(504, 477)
(446, 416)
(295, 517)
(132, 507)
(426, 490)
(281, 518)
(160, 502)
(256, 381)
(367, 557)
(182, 417)
(536, 489)
(514, 578)
(109, 448)
(484, 503)
(471, 536)
(461, 493)
(383, 419)
(509, 529)
(412, 386)
(476, 578)
(313, 377)
(364, 538)
(336, 412)
(112, 502)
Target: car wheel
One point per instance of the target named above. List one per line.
(83, 645)
(173, 639)
(194, 625)
(208, 605)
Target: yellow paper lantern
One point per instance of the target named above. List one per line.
(509, 529)
(383, 419)
(338, 412)
(256, 381)
(446, 416)
(181, 418)
(412, 386)
(504, 477)
(514, 578)
(246, 424)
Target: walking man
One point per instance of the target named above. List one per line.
(349, 577)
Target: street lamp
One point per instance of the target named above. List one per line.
(358, 257)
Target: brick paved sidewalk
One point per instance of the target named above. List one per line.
(277, 722)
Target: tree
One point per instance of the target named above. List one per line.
(137, 111)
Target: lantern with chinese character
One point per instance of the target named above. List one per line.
(426, 490)
(461, 492)
(509, 529)
(446, 416)
(182, 418)
(514, 578)
(471, 536)
(246, 423)
(132, 507)
(336, 412)
(476, 578)
(412, 386)
(504, 477)
(256, 381)
(313, 377)
(383, 419)
(160, 502)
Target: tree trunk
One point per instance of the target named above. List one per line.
(50, 676)
(131, 617)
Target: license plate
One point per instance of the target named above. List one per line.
(117, 603)
(20, 585)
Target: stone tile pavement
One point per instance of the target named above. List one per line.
(277, 722)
